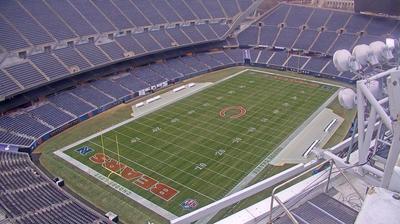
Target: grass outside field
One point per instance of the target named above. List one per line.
(104, 197)
(100, 195)
(170, 143)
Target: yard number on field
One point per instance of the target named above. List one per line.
(135, 139)
(200, 166)
(236, 140)
(219, 152)
(156, 129)
(174, 120)
(251, 129)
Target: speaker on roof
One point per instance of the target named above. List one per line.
(73, 69)
(129, 54)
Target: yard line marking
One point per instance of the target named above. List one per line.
(301, 109)
(184, 149)
(278, 93)
(286, 132)
(219, 92)
(159, 149)
(129, 147)
(310, 95)
(298, 111)
(186, 187)
(214, 132)
(153, 171)
(294, 77)
(176, 168)
(206, 138)
(248, 96)
(222, 89)
(251, 136)
(279, 138)
(254, 113)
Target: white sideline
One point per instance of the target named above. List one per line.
(148, 204)
(267, 160)
(294, 77)
(139, 199)
(116, 186)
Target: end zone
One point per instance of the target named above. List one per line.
(116, 186)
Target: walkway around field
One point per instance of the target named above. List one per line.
(166, 99)
(264, 163)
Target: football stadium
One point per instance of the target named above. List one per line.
(199, 111)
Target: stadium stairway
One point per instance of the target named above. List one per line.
(322, 209)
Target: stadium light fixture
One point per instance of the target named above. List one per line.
(381, 51)
(364, 55)
(391, 43)
(394, 45)
(347, 98)
(344, 61)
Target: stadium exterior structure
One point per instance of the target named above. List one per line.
(282, 54)
(281, 57)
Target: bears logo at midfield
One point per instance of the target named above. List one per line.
(189, 204)
(238, 112)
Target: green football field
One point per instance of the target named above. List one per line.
(202, 146)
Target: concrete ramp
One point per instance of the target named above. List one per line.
(315, 134)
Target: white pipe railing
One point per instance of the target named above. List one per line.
(243, 194)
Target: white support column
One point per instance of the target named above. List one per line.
(242, 194)
(394, 106)
(374, 103)
(363, 154)
(360, 119)
(392, 157)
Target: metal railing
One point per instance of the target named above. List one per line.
(286, 210)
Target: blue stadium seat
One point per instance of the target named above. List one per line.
(305, 39)
(318, 18)
(268, 35)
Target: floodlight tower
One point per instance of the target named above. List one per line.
(377, 99)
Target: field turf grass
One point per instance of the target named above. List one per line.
(168, 145)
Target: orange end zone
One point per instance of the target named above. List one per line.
(145, 182)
